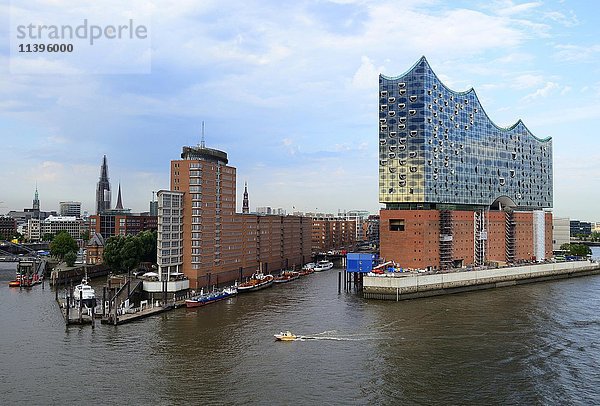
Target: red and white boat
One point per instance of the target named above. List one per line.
(286, 276)
(256, 282)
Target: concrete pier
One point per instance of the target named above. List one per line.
(411, 286)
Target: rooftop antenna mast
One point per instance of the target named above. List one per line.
(202, 144)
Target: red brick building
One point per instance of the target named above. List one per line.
(201, 235)
(330, 233)
(116, 222)
(414, 238)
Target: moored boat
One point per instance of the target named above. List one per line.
(256, 282)
(304, 272)
(26, 281)
(323, 266)
(206, 298)
(287, 336)
(286, 276)
(309, 266)
(85, 294)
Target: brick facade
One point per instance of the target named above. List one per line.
(411, 238)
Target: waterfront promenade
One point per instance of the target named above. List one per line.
(402, 286)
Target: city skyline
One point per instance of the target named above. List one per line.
(290, 92)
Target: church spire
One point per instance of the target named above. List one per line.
(119, 201)
(36, 199)
(245, 203)
(103, 189)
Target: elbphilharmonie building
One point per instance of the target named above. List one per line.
(457, 188)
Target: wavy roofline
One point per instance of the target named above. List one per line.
(470, 90)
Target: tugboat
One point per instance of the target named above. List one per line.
(206, 298)
(257, 281)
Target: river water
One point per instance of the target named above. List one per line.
(531, 344)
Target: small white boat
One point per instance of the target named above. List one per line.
(287, 336)
(323, 266)
(309, 266)
(85, 293)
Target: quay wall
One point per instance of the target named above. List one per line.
(401, 287)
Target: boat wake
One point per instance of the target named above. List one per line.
(302, 338)
(333, 336)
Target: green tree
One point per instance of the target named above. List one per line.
(85, 235)
(124, 253)
(132, 252)
(47, 237)
(148, 246)
(580, 250)
(70, 258)
(62, 244)
(112, 255)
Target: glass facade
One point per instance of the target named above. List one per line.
(438, 146)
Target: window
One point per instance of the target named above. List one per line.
(396, 225)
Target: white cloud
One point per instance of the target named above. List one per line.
(576, 53)
(545, 91)
(569, 20)
(527, 80)
(366, 76)
(509, 8)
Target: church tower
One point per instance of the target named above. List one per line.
(103, 189)
(245, 203)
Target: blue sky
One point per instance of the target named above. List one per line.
(289, 91)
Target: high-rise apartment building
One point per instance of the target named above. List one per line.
(458, 189)
(216, 244)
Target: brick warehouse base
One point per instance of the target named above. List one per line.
(434, 238)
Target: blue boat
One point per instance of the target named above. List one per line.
(206, 298)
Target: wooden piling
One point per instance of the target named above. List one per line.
(67, 305)
(339, 282)
(103, 301)
(80, 306)
(115, 312)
